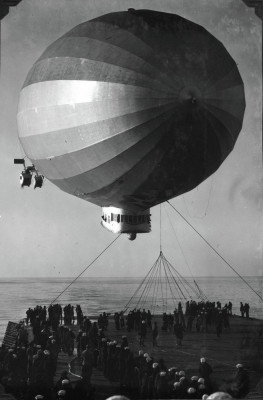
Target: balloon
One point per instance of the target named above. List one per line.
(131, 109)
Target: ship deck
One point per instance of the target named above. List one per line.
(241, 343)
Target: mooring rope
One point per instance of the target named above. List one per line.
(222, 258)
(85, 269)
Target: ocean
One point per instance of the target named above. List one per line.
(96, 295)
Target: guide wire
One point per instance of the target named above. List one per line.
(222, 258)
(92, 262)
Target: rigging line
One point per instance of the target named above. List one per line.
(175, 284)
(151, 282)
(161, 285)
(202, 294)
(152, 271)
(174, 279)
(160, 227)
(74, 280)
(154, 297)
(167, 281)
(178, 276)
(136, 291)
(172, 293)
(155, 292)
(185, 259)
(222, 258)
(182, 279)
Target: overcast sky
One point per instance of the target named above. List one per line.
(49, 233)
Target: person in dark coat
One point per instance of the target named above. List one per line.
(240, 385)
(155, 334)
(205, 370)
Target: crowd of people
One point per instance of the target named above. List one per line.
(28, 369)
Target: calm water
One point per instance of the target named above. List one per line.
(96, 295)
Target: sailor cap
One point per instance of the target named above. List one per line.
(177, 384)
(239, 366)
(194, 378)
(162, 373)
(202, 360)
(62, 393)
(65, 382)
(181, 373)
(39, 397)
(201, 380)
(155, 365)
(191, 390)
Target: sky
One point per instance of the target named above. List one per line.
(46, 232)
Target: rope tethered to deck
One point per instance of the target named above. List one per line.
(92, 262)
(222, 258)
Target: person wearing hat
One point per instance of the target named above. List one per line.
(87, 364)
(142, 333)
(61, 394)
(205, 370)
(240, 385)
(161, 388)
(58, 385)
(191, 393)
(155, 334)
(177, 392)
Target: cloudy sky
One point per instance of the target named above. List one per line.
(49, 233)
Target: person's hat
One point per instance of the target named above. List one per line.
(65, 382)
(194, 378)
(181, 373)
(202, 360)
(201, 380)
(50, 337)
(39, 397)
(182, 378)
(239, 366)
(162, 373)
(148, 359)
(177, 384)
(140, 352)
(191, 390)
(201, 387)
(146, 355)
(155, 365)
(204, 397)
(143, 322)
(124, 337)
(62, 393)
(219, 396)
(46, 352)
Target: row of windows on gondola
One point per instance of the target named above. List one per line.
(128, 219)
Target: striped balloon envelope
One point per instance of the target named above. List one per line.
(131, 109)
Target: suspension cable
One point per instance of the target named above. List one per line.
(137, 290)
(222, 258)
(176, 237)
(92, 262)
